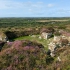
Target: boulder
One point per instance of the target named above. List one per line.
(3, 37)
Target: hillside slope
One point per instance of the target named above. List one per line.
(28, 55)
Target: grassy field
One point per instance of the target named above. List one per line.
(52, 20)
(36, 39)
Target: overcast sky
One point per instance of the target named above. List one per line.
(34, 8)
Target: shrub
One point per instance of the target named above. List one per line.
(23, 55)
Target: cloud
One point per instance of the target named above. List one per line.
(3, 5)
(30, 8)
(10, 4)
(50, 5)
(63, 11)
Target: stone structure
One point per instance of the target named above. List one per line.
(46, 33)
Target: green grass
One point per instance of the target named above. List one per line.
(36, 38)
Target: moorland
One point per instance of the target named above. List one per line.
(26, 49)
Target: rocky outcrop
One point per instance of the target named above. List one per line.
(57, 42)
(3, 37)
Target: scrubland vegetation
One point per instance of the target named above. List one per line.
(26, 51)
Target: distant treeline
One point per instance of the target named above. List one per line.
(29, 22)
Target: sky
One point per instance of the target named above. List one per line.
(34, 8)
